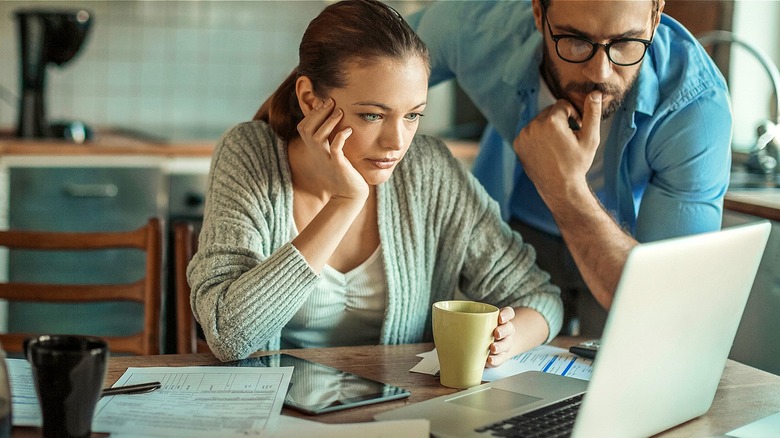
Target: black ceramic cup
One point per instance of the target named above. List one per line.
(68, 372)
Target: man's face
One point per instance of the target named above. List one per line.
(600, 21)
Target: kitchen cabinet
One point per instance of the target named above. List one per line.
(113, 184)
(756, 343)
(59, 198)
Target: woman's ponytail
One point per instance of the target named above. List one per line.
(281, 109)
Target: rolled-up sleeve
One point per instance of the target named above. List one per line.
(690, 153)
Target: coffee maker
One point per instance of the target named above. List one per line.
(47, 36)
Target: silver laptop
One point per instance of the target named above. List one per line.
(665, 344)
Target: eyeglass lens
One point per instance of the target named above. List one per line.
(575, 49)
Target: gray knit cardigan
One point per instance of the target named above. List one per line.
(440, 232)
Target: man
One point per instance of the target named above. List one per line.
(610, 125)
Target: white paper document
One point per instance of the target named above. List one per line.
(298, 427)
(202, 402)
(543, 358)
(767, 427)
(196, 402)
(24, 401)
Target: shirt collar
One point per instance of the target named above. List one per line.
(522, 71)
(644, 96)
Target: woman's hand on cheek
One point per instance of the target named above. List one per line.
(341, 178)
(503, 335)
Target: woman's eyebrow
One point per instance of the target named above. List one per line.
(383, 106)
(376, 104)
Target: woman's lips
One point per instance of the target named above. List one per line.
(383, 163)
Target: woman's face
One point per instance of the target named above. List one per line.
(382, 103)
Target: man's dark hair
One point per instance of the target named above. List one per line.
(656, 5)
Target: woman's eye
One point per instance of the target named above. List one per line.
(370, 117)
(414, 116)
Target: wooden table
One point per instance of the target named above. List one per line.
(745, 394)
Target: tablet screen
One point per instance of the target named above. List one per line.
(316, 388)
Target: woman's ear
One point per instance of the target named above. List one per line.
(304, 90)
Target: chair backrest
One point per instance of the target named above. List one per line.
(147, 290)
(185, 244)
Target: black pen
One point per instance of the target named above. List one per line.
(573, 124)
(131, 389)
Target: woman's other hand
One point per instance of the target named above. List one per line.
(504, 338)
(519, 329)
(338, 175)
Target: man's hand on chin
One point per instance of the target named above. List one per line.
(555, 156)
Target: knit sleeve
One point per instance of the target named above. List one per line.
(496, 266)
(247, 278)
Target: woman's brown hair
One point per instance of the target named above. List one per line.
(350, 30)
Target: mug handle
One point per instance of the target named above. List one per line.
(26, 347)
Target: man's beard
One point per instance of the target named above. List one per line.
(553, 78)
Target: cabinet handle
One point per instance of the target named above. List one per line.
(91, 190)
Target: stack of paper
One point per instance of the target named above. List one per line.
(544, 358)
(202, 401)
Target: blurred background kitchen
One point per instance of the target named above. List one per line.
(172, 69)
(180, 73)
(182, 69)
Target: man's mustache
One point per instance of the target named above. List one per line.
(589, 87)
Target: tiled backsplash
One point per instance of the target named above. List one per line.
(167, 66)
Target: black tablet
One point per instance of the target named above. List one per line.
(316, 388)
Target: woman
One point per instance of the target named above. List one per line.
(329, 223)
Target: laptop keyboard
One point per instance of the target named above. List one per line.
(556, 420)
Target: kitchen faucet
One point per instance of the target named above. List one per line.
(763, 155)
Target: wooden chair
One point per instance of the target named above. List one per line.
(185, 244)
(146, 290)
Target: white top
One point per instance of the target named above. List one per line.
(344, 309)
(595, 174)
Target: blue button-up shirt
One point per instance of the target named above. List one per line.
(667, 157)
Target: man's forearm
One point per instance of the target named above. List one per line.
(598, 245)
(557, 158)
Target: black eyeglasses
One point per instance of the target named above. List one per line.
(577, 49)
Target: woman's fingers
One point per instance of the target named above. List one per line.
(337, 145)
(317, 127)
(504, 327)
(505, 315)
(503, 333)
(312, 122)
(328, 125)
(499, 352)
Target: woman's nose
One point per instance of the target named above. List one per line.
(393, 137)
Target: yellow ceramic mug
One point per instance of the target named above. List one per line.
(462, 333)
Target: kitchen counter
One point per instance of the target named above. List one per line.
(751, 193)
(107, 143)
(764, 203)
(122, 144)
